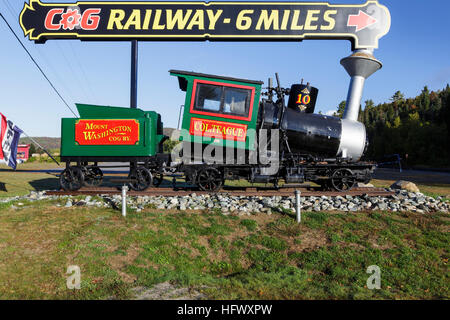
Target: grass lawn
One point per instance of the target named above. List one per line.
(223, 257)
(19, 183)
(36, 165)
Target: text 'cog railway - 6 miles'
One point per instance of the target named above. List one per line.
(362, 24)
(180, 20)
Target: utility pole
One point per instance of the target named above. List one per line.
(134, 74)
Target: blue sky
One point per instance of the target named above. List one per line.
(416, 52)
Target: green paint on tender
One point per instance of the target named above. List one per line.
(150, 132)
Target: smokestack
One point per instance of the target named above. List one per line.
(360, 65)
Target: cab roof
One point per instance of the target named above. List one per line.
(204, 75)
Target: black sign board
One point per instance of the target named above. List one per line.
(303, 98)
(216, 21)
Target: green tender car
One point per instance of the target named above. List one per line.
(110, 134)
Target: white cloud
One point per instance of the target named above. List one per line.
(330, 112)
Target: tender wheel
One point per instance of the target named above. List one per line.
(157, 180)
(71, 179)
(93, 177)
(143, 179)
(343, 180)
(209, 179)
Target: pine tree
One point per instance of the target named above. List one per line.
(397, 122)
(390, 115)
(425, 99)
(398, 96)
(369, 104)
(341, 108)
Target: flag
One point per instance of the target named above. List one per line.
(9, 138)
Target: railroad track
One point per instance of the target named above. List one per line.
(232, 191)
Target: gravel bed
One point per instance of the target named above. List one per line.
(401, 201)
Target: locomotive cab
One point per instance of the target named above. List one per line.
(219, 111)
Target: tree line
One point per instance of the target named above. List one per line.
(418, 129)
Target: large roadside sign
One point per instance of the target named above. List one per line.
(362, 24)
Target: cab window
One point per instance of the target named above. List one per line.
(236, 101)
(221, 99)
(208, 97)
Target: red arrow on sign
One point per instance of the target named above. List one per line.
(361, 21)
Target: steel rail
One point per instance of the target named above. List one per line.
(238, 191)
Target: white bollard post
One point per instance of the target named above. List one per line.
(297, 206)
(124, 200)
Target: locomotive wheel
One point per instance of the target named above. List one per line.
(342, 180)
(368, 179)
(209, 179)
(324, 184)
(157, 180)
(71, 179)
(143, 179)
(93, 176)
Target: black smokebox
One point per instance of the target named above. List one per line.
(303, 98)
